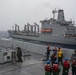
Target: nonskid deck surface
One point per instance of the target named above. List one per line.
(31, 65)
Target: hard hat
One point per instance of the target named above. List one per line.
(48, 62)
(66, 58)
(56, 61)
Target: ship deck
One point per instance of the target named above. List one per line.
(31, 65)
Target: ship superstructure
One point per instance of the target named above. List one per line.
(53, 30)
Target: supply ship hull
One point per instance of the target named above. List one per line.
(46, 38)
(53, 31)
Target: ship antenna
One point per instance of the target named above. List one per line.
(54, 11)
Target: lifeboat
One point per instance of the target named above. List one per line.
(46, 30)
(43, 30)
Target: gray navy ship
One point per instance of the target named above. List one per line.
(57, 31)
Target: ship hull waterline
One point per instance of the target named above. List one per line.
(48, 39)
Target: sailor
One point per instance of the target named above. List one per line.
(48, 52)
(60, 56)
(73, 57)
(55, 49)
(48, 68)
(56, 68)
(19, 54)
(73, 65)
(66, 66)
(53, 58)
(59, 48)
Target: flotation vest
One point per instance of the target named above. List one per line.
(54, 56)
(55, 49)
(47, 68)
(74, 63)
(55, 67)
(60, 54)
(66, 64)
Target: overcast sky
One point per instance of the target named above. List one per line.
(23, 11)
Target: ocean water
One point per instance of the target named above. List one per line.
(4, 34)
